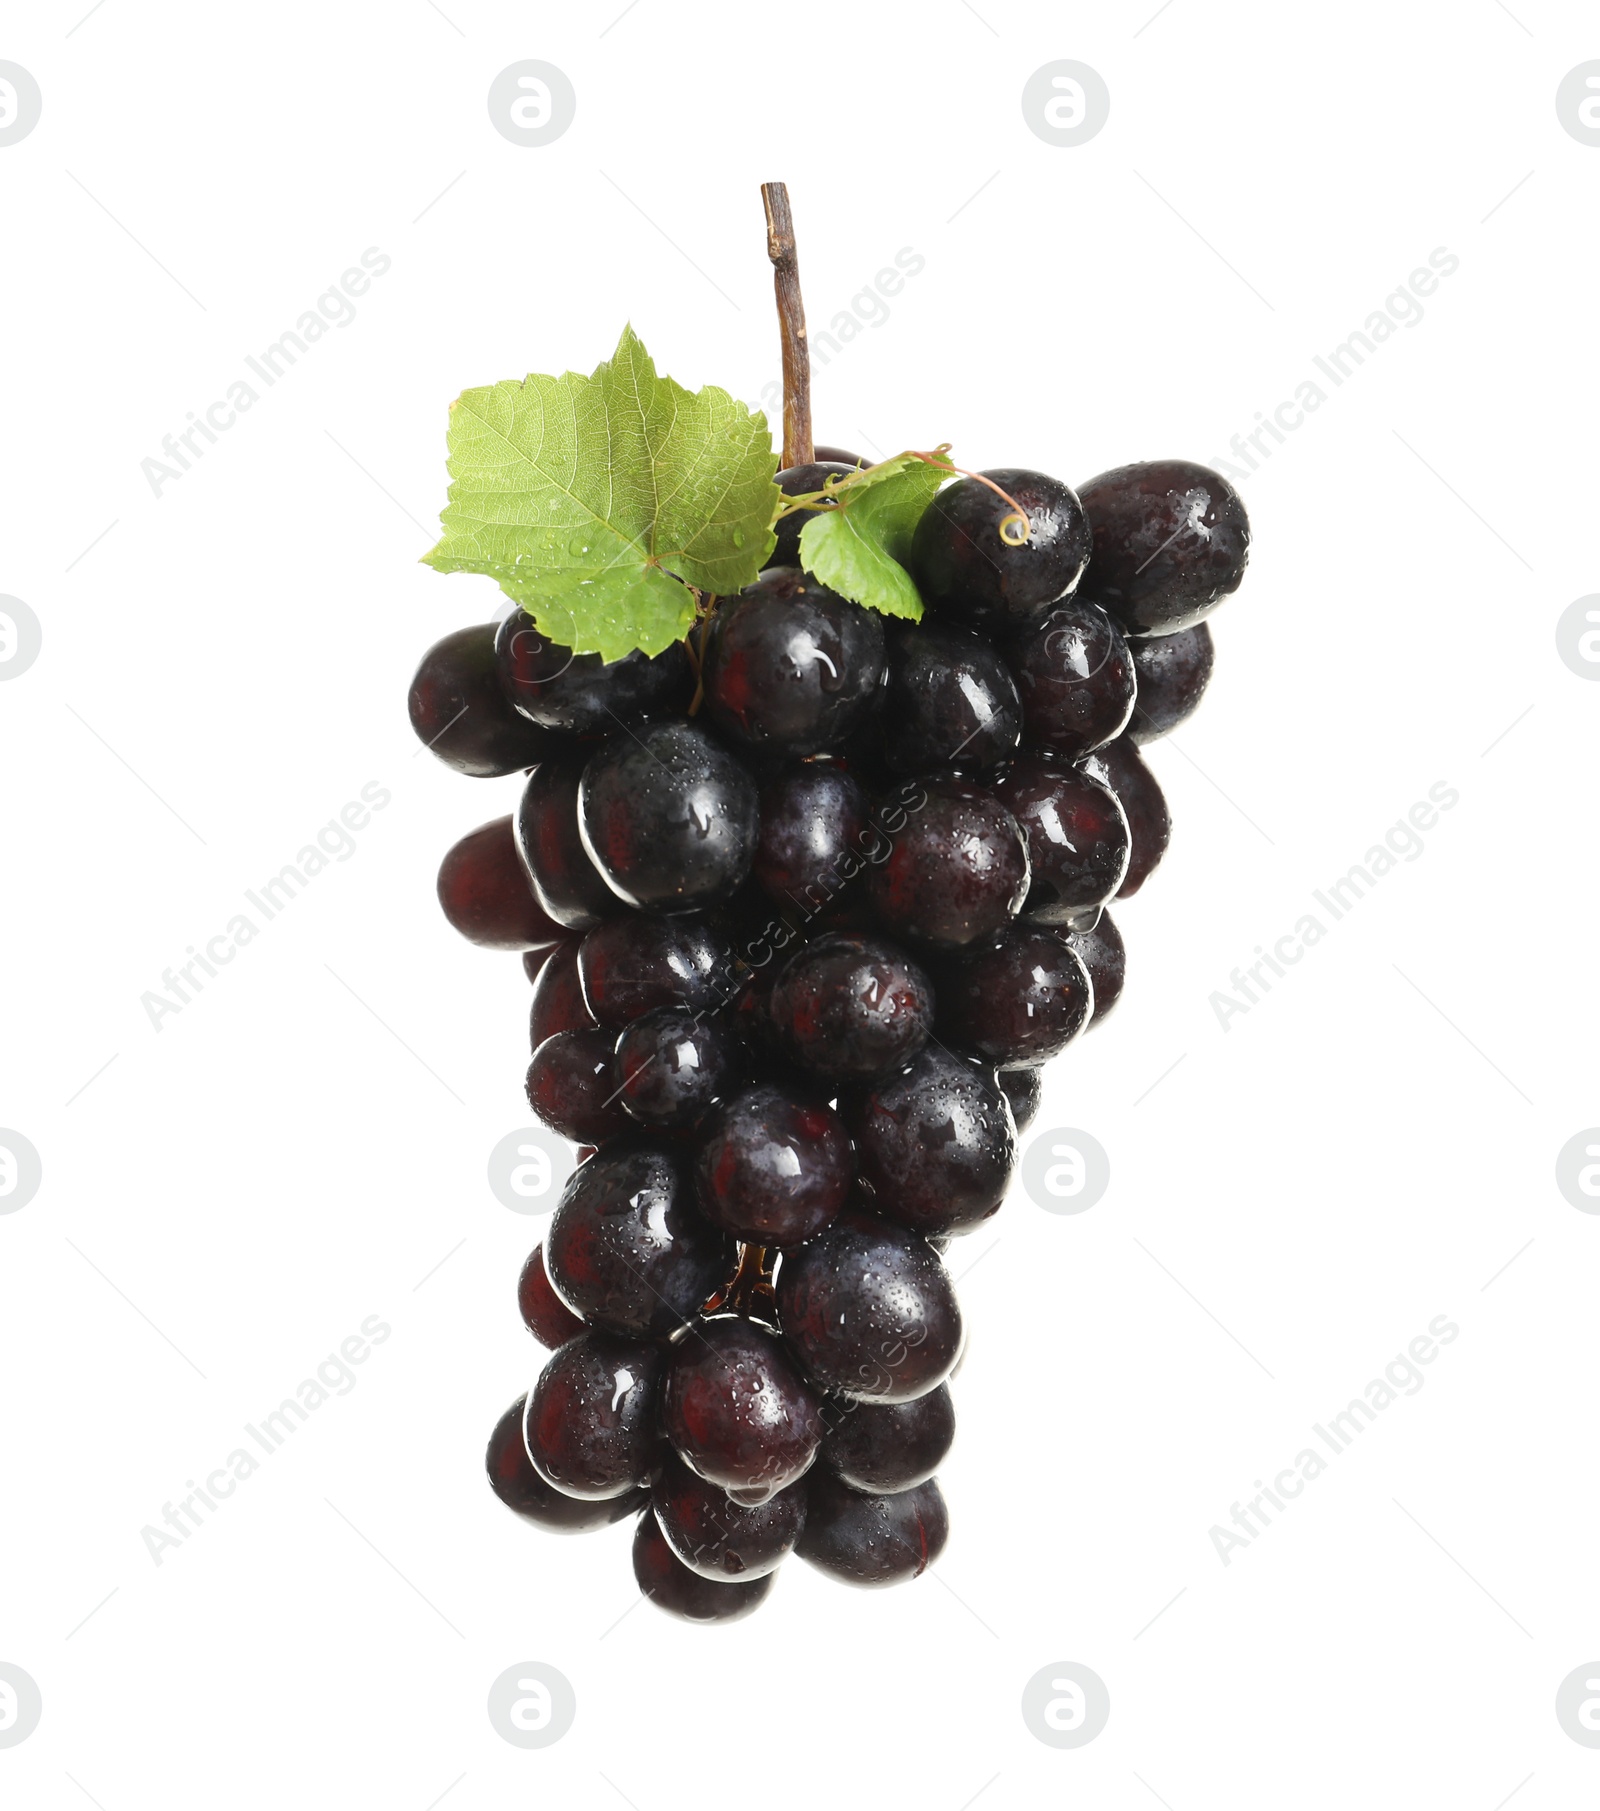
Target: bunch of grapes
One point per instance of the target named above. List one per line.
(808, 901)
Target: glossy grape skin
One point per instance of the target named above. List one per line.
(572, 1086)
(869, 1310)
(936, 1145)
(459, 711)
(718, 1538)
(872, 1540)
(519, 1486)
(591, 1424)
(671, 1586)
(1173, 672)
(635, 964)
(775, 1166)
(1019, 998)
(888, 1446)
(485, 893)
(1023, 1088)
(544, 1314)
(738, 1410)
(673, 1065)
(833, 455)
(1078, 838)
(790, 667)
(1075, 675)
(813, 820)
(1104, 956)
(958, 867)
(851, 1007)
(558, 1003)
(565, 882)
(1171, 540)
(970, 576)
(626, 1248)
(801, 481)
(581, 694)
(949, 701)
(1121, 767)
(668, 817)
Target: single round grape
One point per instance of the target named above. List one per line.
(872, 1540)
(888, 1446)
(1075, 675)
(737, 1410)
(1171, 539)
(775, 1166)
(1023, 1088)
(572, 1086)
(851, 1007)
(949, 702)
(668, 817)
(671, 1586)
(591, 1423)
(519, 1486)
(1120, 767)
(485, 893)
(558, 1002)
(718, 1538)
(791, 666)
(632, 965)
(1173, 672)
(973, 575)
(674, 1065)
(626, 1248)
(800, 481)
(936, 1145)
(869, 1310)
(565, 882)
(544, 1314)
(1078, 838)
(582, 694)
(813, 820)
(957, 869)
(459, 711)
(1103, 954)
(1019, 998)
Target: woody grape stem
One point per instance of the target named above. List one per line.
(798, 446)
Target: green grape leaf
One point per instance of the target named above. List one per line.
(860, 546)
(596, 502)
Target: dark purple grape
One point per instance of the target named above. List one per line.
(832, 455)
(626, 1248)
(850, 1007)
(674, 1065)
(1121, 767)
(592, 1418)
(558, 1002)
(950, 701)
(1103, 955)
(791, 666)
(801, 481)
(737, 1410)
(1078, 838)
(973, 575)
(572, 1086)
(1171, 539)
(520, 1487)
(668, 817)
(775, 1166)
(459, 711)
(544, 1314)
(565, 882)
(1173, 672)
(1019, 998)
(1023, 1088)
(484, 890)
(869, 1310)
(671, 1586)
(936, 1144)
(721, 1539)
(1075, 677)
(888, 1446)
(957, 869)
(813, 825)
(872, 1540)
(582, 694)
(632, 965)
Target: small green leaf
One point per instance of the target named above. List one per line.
(860, 546)
(580, 496)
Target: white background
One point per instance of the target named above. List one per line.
(303, 1146)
